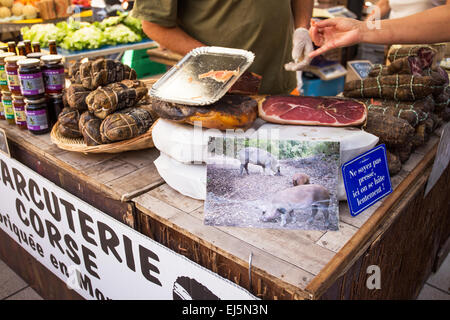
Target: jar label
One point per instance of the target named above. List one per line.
(31, 84)
(21, 117)
(13, 80)
(9, 110)
(54, 79)
(3, 76)
(37, 120)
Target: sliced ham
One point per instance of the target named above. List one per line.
(220, 75)
(315, 111)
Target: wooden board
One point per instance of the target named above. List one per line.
(164, 56)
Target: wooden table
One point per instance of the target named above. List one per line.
(405, 235)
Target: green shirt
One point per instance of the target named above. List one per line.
(263, 27)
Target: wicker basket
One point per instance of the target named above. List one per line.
(143, 141)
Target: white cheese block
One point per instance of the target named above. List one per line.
(189, 144)
(188, 179)
(353, 141)
(184, 150)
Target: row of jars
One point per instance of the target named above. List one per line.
(37, 113)
(31, 90)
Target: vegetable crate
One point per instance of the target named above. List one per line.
(139, 61)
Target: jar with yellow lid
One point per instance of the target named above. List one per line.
(8, 107)
(19, 111)
(12, 72)
(3, 75)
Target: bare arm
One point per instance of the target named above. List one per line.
(429, 26)
(174, 39)
(302, 11)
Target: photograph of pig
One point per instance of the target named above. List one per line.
(283, 184)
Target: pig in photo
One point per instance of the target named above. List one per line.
(283, 184)
(289, 201)
(300, 178)
(258, 157)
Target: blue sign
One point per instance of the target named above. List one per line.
(366, 179)
(362, 68)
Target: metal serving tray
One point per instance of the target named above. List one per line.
(181, 84)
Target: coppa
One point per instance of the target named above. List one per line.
(34, 203)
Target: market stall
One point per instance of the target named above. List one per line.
(325, 264)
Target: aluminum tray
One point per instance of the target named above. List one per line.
(181, 84)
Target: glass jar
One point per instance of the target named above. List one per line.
(3, 75)
(30, 75)
(19, 111)
(36, 46)
(55, 106)
(52, 47)
(28, 48)
(8, 107)
(2, 109)
(53, 72)
(12, 47)
(37, 114)
(12, 73)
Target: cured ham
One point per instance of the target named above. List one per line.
(315, 111)
(248, 83)
(220, 75)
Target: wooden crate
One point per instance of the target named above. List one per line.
(403, 234)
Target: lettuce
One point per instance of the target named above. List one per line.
(85, 38)
(120, 34)
(111, 21)
(76, 35)
(42, 33)
(134, 24)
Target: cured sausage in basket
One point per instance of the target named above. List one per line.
(100, 72)
(68, 123)
(89, 126)
(125, 124)
(106, 100)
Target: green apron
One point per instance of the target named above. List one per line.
(263, 27)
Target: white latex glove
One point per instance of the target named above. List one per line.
(299, 82)
(302, 46)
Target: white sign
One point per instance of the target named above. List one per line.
(97, 256)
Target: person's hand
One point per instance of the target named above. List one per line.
(334, 33)
(302, 46)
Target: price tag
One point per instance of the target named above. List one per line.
(366, 179)
(442, 159)
(361, 68)
(4, 143)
